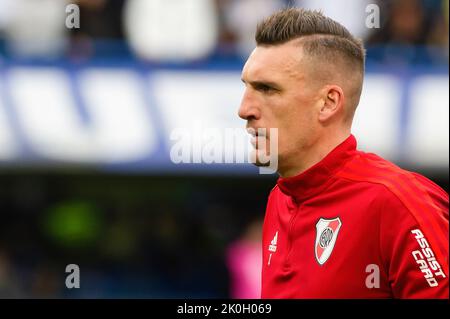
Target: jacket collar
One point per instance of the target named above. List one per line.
(315, 179)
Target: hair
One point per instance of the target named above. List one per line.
(320, 37)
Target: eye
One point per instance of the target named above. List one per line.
(264, 88)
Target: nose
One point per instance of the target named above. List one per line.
(248, 109)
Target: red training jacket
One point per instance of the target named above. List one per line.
(355, 226)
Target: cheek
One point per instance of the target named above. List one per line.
(293, 116)
(296, 126)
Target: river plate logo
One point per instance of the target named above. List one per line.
(327, 231)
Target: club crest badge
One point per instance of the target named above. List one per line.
(327, 231)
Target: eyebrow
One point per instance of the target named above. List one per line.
(260, 83)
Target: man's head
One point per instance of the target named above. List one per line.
(303, 78)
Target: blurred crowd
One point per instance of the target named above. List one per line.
(130, 237)
(414, 31)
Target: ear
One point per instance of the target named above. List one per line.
(333, 102)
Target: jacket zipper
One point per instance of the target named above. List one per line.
(289, 235)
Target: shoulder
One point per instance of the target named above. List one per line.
(402, 197)
(394, 183)
(405, 200)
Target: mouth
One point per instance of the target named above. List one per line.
(256, 132)
(257, 135)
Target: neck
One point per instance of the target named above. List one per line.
(311, 155)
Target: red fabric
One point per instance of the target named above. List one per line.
(365, 214)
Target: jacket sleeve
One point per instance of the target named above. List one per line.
(414, 244)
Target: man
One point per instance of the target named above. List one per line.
(340, 223)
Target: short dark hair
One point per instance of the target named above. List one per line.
(326, 35)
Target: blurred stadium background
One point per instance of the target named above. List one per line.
(85, 122)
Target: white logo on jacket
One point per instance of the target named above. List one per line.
(327, 231)
(273, 247)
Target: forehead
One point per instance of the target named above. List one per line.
(274, 62)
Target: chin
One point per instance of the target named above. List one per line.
(261, 159)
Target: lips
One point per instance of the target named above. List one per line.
(256, 132)
(256, 135)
